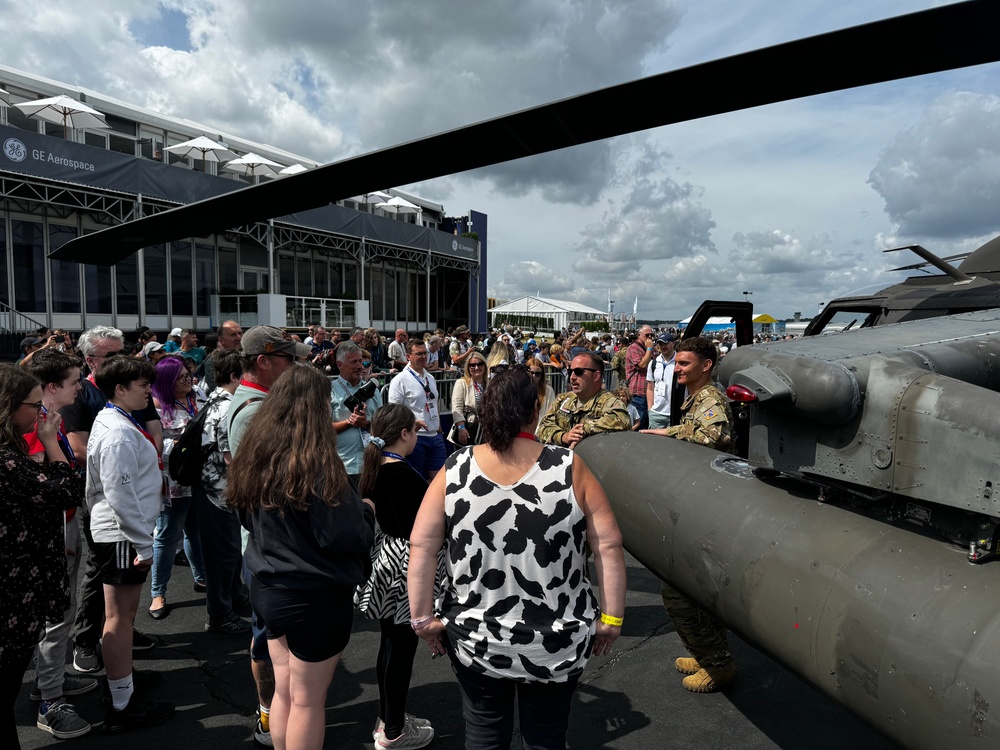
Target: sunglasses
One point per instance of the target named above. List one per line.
(578, 371)
(536, 373)
(476, 365)
(366, 364)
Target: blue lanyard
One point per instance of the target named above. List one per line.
(390, 454)
(63, 443)
(191, 409)
(140, 428)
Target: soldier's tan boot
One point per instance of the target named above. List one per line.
(687, 665)
(709, 680)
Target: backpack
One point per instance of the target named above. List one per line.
(188, 456)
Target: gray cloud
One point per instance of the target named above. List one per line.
(941, 177)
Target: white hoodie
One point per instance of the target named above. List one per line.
(124, 487)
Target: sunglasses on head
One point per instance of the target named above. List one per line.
(578, 371)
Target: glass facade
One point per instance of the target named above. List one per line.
(65, 274)
(181, 285)
(28, 246)
(127, 285)
(204, 273)
(154, 260)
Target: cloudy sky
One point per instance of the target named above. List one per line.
(794, 202)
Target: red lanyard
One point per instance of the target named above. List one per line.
(255, 386)
(139, 427)
(191, 407)
(526, 435)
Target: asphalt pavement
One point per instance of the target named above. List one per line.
(630, 699)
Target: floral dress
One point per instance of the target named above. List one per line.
(34, 587)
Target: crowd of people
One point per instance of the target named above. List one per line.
(313, 498)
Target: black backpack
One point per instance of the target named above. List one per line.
(188, 455)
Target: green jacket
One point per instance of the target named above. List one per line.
(602, 413)
(706, 419)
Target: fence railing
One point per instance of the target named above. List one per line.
(329, 313)
(12, 321)
(239, 307)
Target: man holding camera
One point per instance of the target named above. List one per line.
(354, 405)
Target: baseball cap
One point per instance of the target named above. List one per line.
(151, 347)
(175, 332)
(532, 341)
(666, 338)
(271, 340)
(460, 330)
(30, 341)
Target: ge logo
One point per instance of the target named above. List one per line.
(454, 243)
(14, 150)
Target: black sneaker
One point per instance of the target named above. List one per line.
(140, 712)
(141, 641)
(232, 624)
(62, 722)
(86, 659)
(72, 685)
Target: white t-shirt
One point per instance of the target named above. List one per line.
(408, 388)
(661, 374)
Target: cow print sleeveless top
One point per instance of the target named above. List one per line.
(518, 603)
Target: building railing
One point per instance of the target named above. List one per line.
(329, 313)
(239, 307)
(12, 321)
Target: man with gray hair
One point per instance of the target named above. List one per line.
(98, 345)
(353, 425)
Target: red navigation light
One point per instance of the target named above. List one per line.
(740, 393)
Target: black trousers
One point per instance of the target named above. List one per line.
(396, 650)
(13, 665)
(90, 601)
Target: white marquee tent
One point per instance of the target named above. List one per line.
(559, 312)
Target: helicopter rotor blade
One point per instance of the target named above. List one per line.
(930, 41)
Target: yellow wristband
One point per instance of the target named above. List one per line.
(609, 620)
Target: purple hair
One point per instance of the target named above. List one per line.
(168, 370)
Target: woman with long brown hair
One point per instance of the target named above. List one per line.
(309, 546)
(465, 397)
(34, 586)
(397, 491)
(545, 393)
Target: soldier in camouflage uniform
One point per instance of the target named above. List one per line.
(586, 410)
(707, 421)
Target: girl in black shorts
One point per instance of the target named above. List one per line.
(310, 543)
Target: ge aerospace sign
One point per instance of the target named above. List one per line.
(14, 150)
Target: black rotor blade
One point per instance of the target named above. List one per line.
(930, 41)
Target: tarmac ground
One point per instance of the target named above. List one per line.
(630, 699)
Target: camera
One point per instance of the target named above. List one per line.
(361, 395)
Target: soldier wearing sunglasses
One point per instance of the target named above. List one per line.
(585, 410)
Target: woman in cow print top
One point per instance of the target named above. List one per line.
(519, 616)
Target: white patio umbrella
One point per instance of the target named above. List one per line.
(252, 165)
(65, 110)
(4, 97)
(398, 205)
(293, 169)
(376, 196)
(202, 148)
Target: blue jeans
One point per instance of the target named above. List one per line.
(488, 709)
(220, 545)
(174, 519)
(639, 402)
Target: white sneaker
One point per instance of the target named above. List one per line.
(413, 736)
(410, 719)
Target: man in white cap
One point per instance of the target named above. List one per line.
(173, 341)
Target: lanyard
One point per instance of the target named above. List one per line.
(191, 408)
(479, 390)
(140, 428)
(527, 435)
(255, 386)
(390, 454)
(64, 444)
(428, 393)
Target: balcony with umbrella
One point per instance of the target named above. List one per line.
(65, 110)
(251, 165)
(203, 149)
(396, 206)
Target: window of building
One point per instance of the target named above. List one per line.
(320, 273)
(252, 255)
(97, 282)
(204, 270)
(181, 289)
(286, 275)
(121, 144)
(351, 281)
(98, 140)
(154, 266)
(28, 246)
(151, 144)
(336, 280)
(228, 272)
(4, 297)
(305, 276)
(55, 130)
(17, 119)
(65, 274)
(126, 285)
(376, 294)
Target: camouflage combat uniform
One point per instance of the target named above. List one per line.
(603, 412)
(707, 421)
